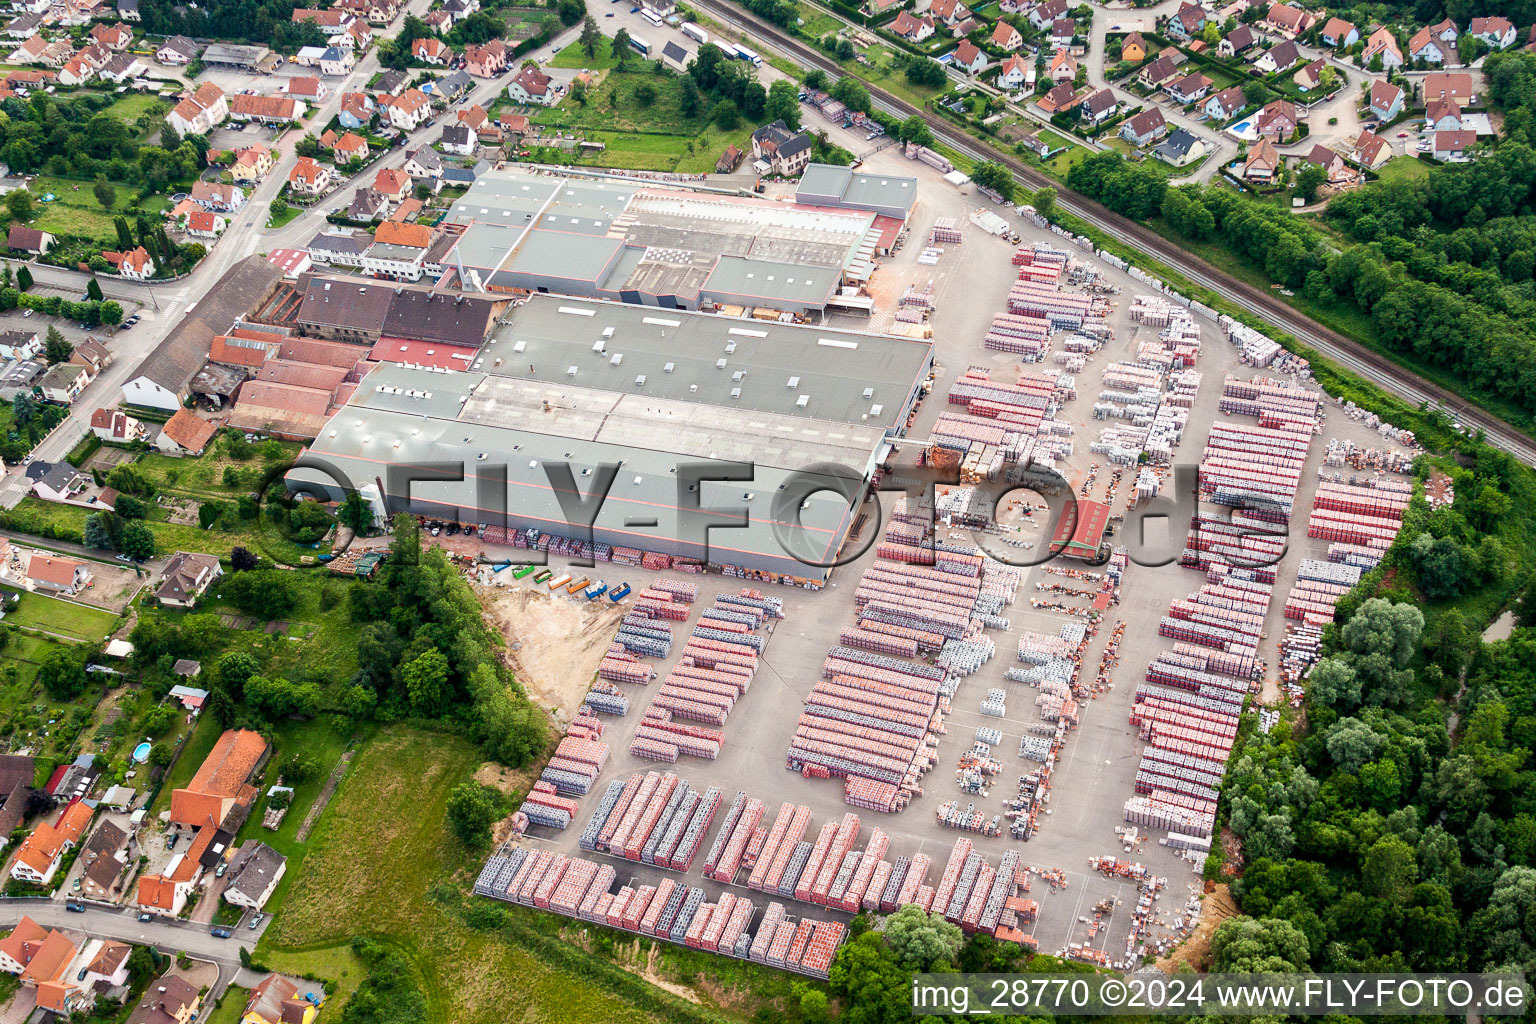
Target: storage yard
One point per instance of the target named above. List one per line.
(1035, 750)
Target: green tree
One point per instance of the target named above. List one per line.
(620, 46)
(591, 38)
(23, 276)
(1045, 201)
(160, 755)
(920, 940)
(426, 682)
(159, 719)
(571, 11)
(1248, 945)
(19, 203)
(95, 534)
(993, 175)
(265, 593)
(111, 313)
(93, 290)
(55, 348)
(23, 407)
(783, 104)
(915, 129)
(105, 192)
(473, 808)
(62, 673)
(138, 541)
(725, 115)
(1309, 180)
(355, 512)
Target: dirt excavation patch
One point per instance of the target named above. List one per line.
(554, 643)
(1196, 950)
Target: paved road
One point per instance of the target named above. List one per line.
(1339, 348)
(124, 926)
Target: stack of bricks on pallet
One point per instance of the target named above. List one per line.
(1319, 585)
(1065, 310)
(544, 806)
(1189, 705)
(715, 670)
(1362, 518)
(581, 889)
(1040, 266)
(1028, 336)
(653, 818)
(606, 698)
(575, 764)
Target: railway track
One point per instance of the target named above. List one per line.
(1337, 347)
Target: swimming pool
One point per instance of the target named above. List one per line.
(1243, 130)
(141, 752)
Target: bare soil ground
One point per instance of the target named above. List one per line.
(554, 643)
(1196, 950)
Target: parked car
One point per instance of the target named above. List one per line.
(146, 917)
(256, 921)
(218, 872)
(78, 908)
(26, 312)
(220, 933)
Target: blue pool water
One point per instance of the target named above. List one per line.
(141, 752)
(1240, 127)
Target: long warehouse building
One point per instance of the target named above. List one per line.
(588, 383)
(669, 247)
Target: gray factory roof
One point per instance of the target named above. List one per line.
(772, 282)
(360, 440)
(678, 354)
(576, 257)
(821, 182)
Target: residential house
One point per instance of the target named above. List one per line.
(266, 109)
(1189, 89)
(1442, 115)
(123, 67)
(332, 22)
(1340, 173)
(1386, 99)
(185, 433)
(136, 264)
(276, 1000)
(1186, 22)
(438, 21)
(1457, 85)
(1339, 34)
(431, 50)
(1371, 150)
(409, 110)
(63, 382)
(103, 858)
(160, 894)
(309, 89)
(108, 968)
(1133, 48)
(254, 874)
(113, 37)
(970, 58)
(1454, 147)
(56, 481)
(1237, 42)
(423, 163)
(170, 999)
(339, 250)
(1062, 68)
(1383, 44)
(1498, 32)
(1063, 31)
(785, 152)
(177, 50)
(91, 354)
(1159, 73)
(201, 112)
(356, 110)
(251, 164)
(38, 857)
(393, 82)
(367, 206)
(453, 87)
(1006, 37)
(1045, 14)
(76, 72)
(730, 159)
(398, 252)
(309, 178)
(1287, 20)
(1425, 47)
(1180, 148)
(19, 344)
(117, 426)
(1278, 57)
(350, 147)
(24, 27)
(1145, 128)
(459, 139)
(1016, 73)
(220, 791)
(29, 240)
(1222, 106)
(487, 61)
(43, 958)
(187, 575)
(949, 12)
(337, 61)
(1310, 76)
(1100, 107)
(1277, 120)
(206, 224)
(1263, 162)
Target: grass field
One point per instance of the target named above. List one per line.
(1404, 168)
(204, 735)
(75, 211)
(575, 58)
(132, 105)
(230, 1007)
(37, 611)
(388, 815)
